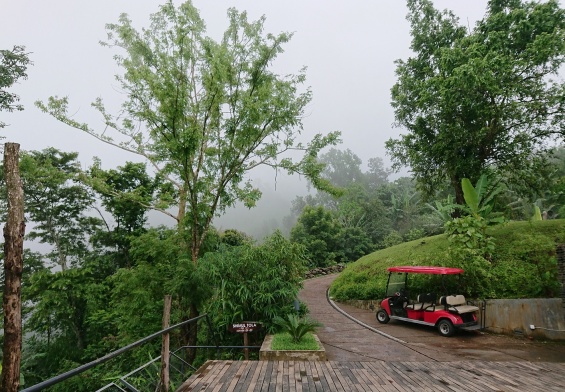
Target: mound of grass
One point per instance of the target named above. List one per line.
(523, 265)
(284, 341)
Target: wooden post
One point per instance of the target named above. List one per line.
(246, 343)
(14, 231)
(165, 345)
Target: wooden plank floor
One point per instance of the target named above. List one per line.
(297, 376)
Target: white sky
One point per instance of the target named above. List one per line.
(349, 48)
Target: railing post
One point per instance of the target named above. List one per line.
(165, 345)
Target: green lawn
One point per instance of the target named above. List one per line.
(523, 265)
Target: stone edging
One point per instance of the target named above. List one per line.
(314, 273)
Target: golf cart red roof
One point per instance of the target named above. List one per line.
(427, 270)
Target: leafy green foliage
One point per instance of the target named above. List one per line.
(58, 204)
(204, 113)
(342, 167)
(295, 326)
(13, 66)
(234, 237)
(468, 233)
(126, 194)
(319, 232)
(523, 264)
(494, 83)
(162, 267)
(471, 247)
(252, 283)
(392, 238)
(479, 199)
(404, 205)
(63, 323)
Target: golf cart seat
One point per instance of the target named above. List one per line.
(424, 302)
(457, 304)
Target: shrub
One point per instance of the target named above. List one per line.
(296, 327)
(252, 283)
(392, 238)
(319, 232)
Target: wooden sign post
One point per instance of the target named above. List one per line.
(244, 328)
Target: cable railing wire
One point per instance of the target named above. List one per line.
(64, 376)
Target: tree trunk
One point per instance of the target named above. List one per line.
(165, 345)
(459, 196)
(14, 231)
(192, 333)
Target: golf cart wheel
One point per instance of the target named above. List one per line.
(445, 328)
(382, 317)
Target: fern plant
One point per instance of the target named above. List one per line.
(296, 327)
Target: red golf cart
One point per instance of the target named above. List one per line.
(447, 312)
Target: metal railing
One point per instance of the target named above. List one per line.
(99, 361)
(144, 378)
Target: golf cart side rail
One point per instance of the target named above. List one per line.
(426, 270)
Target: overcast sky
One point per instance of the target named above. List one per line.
(348, 46)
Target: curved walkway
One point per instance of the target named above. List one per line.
(366, 356)
(352, 334)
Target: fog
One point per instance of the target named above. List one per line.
(349, 48)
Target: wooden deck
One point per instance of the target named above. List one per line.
(465, 376)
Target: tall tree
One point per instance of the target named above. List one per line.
(480, 99)
(342, 167)
(58, 204)
(377, 173)
(126, 193)
(13, 66)
(320, 233)
(204, 113)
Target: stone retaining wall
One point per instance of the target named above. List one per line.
(514, 316)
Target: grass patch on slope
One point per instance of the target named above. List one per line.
(523, 265)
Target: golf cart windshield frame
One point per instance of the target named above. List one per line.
(397, 285)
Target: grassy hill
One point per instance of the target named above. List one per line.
(523, 265)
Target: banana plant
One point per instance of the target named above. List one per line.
(443, 210)
(479, 199)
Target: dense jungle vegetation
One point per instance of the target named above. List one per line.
(483, 118)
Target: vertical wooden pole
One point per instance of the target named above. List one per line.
(246, 343)
(165, 345)
(14, 231)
